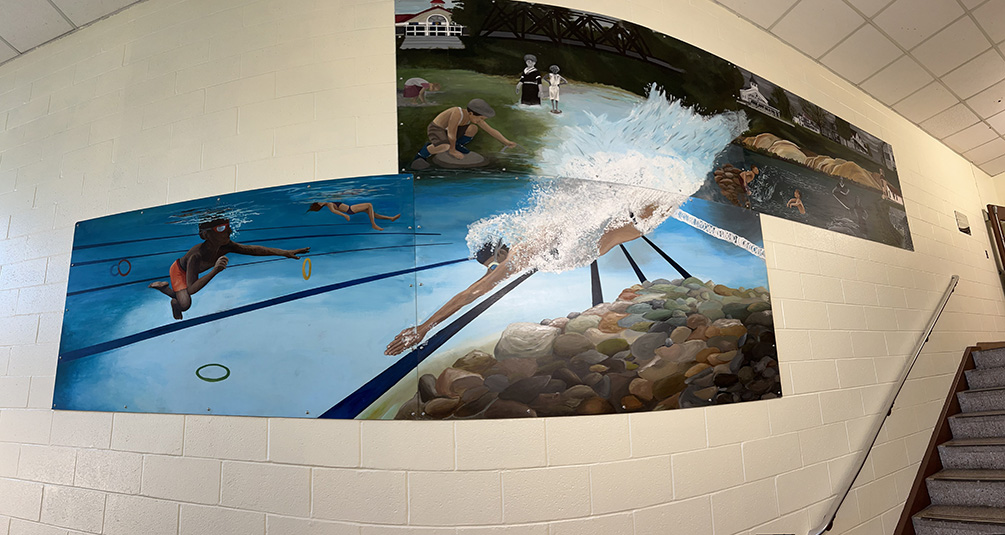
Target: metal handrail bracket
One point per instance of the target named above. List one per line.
(828, 521)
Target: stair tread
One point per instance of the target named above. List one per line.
(988, 441)
(959, 513)
(969, 475)
(978, 414)
(990, 389)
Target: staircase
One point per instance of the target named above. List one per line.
(965, 481)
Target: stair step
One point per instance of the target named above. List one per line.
(989, 358)
(982, 399)
(986, 378)
(981, 424)
(974, 488)
(973, 454)
(959, 520)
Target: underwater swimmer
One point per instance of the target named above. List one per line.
(503, 262)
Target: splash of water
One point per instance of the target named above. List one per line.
(636, 170)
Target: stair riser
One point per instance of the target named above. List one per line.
(924, 526)
(978, 427)
(992, 358)
(982, 401)
(972, 457)
(971, 493)
(986, 378)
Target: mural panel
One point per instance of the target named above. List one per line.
(531, 89)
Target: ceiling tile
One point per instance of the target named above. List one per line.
(762, 12)
(952, 47)
(998, 122)
(994, 167)
(977, 74)
(932, 99)
(950, 121)
(815, 26)
(991, 17)
(970, 4)
(861, 55)
(26, 24)
(6, 52)
(896, 81)
(83, 11)
(869, 7)
(969, 138)
(986, 152)
(989, 102)
(910, 22)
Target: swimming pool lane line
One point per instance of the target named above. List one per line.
(683, 272)
(352, 405)
(179, 325)
(635, 267)
(162, 277)
(263, 240)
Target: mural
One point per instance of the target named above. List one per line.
(388, 297)
(530, 89)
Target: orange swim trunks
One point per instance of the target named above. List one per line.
(179, 279)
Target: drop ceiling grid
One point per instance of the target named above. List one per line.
(939, 63)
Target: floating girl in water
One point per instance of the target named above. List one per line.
(345, 210)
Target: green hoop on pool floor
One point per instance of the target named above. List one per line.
(198, 373)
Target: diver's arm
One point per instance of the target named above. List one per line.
(195, 282)
(258, 250)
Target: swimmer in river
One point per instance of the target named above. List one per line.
(345, 210)
(502, 262)
(748, 177)
(454, 128)
(185, 279)
(796, 202)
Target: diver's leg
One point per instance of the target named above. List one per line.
(163, 286)
(181, 302)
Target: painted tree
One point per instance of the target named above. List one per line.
(780, 100)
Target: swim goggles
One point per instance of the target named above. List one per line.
(222, 228)
(493, 265)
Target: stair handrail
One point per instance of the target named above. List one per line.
(828, 521)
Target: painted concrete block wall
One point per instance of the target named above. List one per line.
(173, 100)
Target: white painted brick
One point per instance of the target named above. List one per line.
(804, 315)
(36, 359)
(744, 506)
(47, 464)
(73, 508)
(658, 433)
(181, 479)
(175, 108)
(113, 471)
(22, 499)
(197, 185)
(276, 489)
(222, 437)
(736, 423)
(612, 493)
(277, 113)
(454, 498)
(282, 525)
(770, 456)
(692, 516)
(275, 171)
(21, 527)
(889, 457)
(14, 391)
(704, 471)
(9, 453)
(246, 147)
(619, 524)
(820, 288)
(869, 344)
(82, 429)
(40, 392)
(802, 487)
(25, 426)
(846, 317)
(518, 529)
(374, 496)
(22, 274)
(199, 520)
(546, 494)
(488, 444)
(314, 136)
(430, 447)
(130, 515)
(241, 92)
(823, 443)
(840, 405)
(314, 442)
(579, 440)
(148, 433)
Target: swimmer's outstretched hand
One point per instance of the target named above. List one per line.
(221, 263)
(405, 339)
(293, 254)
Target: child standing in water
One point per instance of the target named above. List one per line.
(796, 202)
(346, 210)
(555, 80)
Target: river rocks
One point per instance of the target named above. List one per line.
(662, 345)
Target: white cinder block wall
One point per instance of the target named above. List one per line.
(172, 100)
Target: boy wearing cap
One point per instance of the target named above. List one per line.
(454, 128)
(185, 271)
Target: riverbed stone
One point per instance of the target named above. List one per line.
(581, 323)
(525, 340)
(569, 345)
(645, 346)
(680, 334)
(475, 361)
(504, 408)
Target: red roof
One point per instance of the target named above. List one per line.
(403, 17)
(436, 1)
